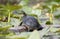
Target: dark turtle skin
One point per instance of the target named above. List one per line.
(30, 22)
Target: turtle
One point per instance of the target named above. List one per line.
(30, 22)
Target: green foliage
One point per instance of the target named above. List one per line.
(57, 16)
(48, 1)
(12, 7)
(33, 15)
(56, 30)
(34, 35)
(4, 30)
(6, 10)
(49, 23)
(9, 8)
(24, 2)
(15, 21)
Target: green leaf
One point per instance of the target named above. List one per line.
(55, 30)
(12, 7)
(44, 31)
(14, 21)
(17, 37)
(24, 2)
(34, 35)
